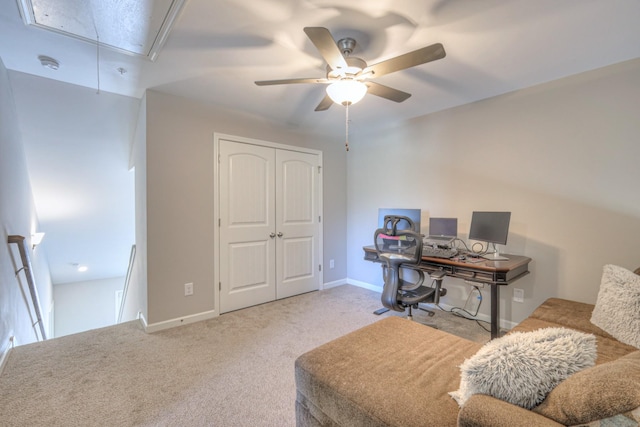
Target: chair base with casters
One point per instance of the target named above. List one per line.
(439, 291)
(411, 299)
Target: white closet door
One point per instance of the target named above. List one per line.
(247, 224)
(297, 223)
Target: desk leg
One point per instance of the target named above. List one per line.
(495, 311)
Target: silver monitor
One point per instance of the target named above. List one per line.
(490, 227)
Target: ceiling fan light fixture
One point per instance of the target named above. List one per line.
(346, 92)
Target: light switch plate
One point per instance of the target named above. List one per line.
(188, 289)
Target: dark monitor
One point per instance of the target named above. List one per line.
(492, 227)
(412, 214)
(444, 227)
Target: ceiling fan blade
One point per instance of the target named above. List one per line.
(290, 81)
(386, 92)
(324, 104)
(408, 60)
(326, 45)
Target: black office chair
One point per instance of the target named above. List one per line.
(400, 250)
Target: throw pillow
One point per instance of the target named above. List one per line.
(617, 309)
(596, 393)
(523, 367)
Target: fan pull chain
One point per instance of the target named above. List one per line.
(346, 137)
(97, 51)
(98, 61)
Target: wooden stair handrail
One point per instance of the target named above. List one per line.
(125, 290)
(21, 242)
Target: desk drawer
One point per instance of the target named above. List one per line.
(429, 267)
(479, 276)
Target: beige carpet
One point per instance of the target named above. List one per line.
(234, 370)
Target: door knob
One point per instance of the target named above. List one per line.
(280, 234)
(272, 235)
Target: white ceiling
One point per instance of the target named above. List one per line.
(218, 48)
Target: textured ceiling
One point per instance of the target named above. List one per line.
(136, 27)
(217, 49)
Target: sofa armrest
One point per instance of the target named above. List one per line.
(486, 411)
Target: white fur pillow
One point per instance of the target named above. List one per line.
(523, 367)
(617, 309)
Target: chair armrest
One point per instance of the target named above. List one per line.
(486, 411)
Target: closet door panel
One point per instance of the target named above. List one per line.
(247, 245)
(297, 223)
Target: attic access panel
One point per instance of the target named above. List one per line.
(135, 27)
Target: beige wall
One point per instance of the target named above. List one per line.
(179, 200)
(562, 157)
(17, 217)
(85, 305)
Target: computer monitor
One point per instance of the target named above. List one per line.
(490, 227)
(443, 227)
(412, 214)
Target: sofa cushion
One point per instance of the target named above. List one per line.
(608, 348)
(484, 411)
(595, 393)
(392, 373)
(570, 314)
(523, 367)
(617, 309)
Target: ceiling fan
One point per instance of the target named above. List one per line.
(346, 73)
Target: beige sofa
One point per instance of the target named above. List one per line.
(398, 373)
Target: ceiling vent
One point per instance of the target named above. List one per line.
(134, 27)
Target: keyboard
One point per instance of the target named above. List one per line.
(438, 252)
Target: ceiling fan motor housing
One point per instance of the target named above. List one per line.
(346, 45)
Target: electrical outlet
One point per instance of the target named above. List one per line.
(188, 289)
(518, 295)
(332, 263)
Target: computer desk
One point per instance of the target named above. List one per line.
(492, 273)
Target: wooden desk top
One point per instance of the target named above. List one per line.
(513, 262)
(476, 269)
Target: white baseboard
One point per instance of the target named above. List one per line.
(143, 320)
(335, 283)
(364, 285)
(5, 353)
(4, 358)
(172, 323)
